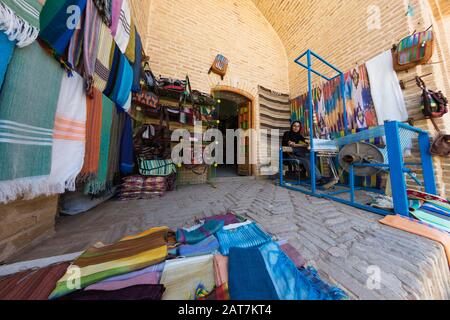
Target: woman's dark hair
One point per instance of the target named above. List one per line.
(292, 125)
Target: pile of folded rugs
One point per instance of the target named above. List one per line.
(221, 258)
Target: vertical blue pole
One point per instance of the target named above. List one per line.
(281, 167)
(427, 163)
(396, 167)
(352, 184)
(344, 103)
(311, 127)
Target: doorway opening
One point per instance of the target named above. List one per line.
(234, 112)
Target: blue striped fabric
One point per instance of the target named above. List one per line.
(247, 236)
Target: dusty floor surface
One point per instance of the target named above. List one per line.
(346, 245)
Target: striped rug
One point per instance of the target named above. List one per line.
(274, 113)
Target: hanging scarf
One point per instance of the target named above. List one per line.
(118, 124)
(93, 132)
(130, 52)
(127, 148)
(54, 21)
(32, 83)
(98, 184)
(115, 15)
(91, 28)
(137, 65)
(122, 35)
(6, 53)
(120, 81)
(102, 69)
(19, 20)
(105, 9)
(69, 137)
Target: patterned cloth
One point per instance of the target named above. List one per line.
(123, 32)
(246, 236)
(19, 20)
(161, 168)
(105, 9)
(195, 236)
(139, 187)
(208, 246)
(102, 69)
(99, 263)
(26, 137)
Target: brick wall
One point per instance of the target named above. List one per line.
(338, 31)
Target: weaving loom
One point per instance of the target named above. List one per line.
(402, 151)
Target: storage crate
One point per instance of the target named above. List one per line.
(193, 174)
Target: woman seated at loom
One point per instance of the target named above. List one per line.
(300, 150)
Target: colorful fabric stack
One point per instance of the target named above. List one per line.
(246, 236)
(26, 138)
(139, 187)
(208, 246)
(181, 277)
(19, 20)
(99, 263)
(195, 236)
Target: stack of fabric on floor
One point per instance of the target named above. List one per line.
(221, 258)
(140, 187)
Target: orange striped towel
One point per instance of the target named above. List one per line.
(421, 229)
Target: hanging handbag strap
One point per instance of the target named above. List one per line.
(436, 127)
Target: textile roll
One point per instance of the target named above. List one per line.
(220, 270)
(6, 53)
(105, 9)
(206, 230)
(181, 277)
(137, 65)
(385, 87)
(247, 236)
(32, 284)
(248, 276)
(54, 19)
(69, 136)
(127, 162)
(19, 20)
(133, 293)
(102, 69)
(26, 137)
(93, 132)
(116, 9)
(98, 184)
(130, 254)
(208, 246)
(289, 282)
(123, 32)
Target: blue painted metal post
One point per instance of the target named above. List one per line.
(281, 167)
(311, 127)
(352, 184)
(344, 103)
(427, 163)
(396, 166)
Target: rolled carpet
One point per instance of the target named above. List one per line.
(26, 137)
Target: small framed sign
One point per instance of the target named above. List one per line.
(220, 66)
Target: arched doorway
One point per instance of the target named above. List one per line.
(235, 110)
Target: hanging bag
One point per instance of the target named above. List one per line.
(434, 104)
(441, 144)
(413, 50)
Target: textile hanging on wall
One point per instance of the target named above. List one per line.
(6, 53)
(137, 65)
(127, 158)
(19, 20)
(116, 8)
(387, 93)
(274, 113)
(102, 68)
(105, 9)
(130, 52)
(69, 135)
(128, 255)
(54, 20)
(26, 137)
(122, 35)
(117, 128)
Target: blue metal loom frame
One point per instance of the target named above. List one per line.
(397, 167)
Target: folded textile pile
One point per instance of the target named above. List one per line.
(139, 187)
(204, 231)
(208, 246)
(134, 293)
(99, 263)
(227, 219)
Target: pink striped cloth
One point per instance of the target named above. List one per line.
(116, 9)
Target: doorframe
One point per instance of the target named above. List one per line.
(252, 99)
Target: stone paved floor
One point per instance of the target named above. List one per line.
(340, 241)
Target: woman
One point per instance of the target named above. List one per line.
(300, 146)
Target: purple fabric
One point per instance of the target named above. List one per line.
(148, 278)
(116, 8)
(227, 219)
(294, 255)
(141, 292)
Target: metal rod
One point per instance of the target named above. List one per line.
(314, 71)
(326, 62)
(311, 127)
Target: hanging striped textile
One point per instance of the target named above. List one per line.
(105, 9)
(26, 137)
(19, 20)
(274, 110)
(159, 168)
(102, 69)
(123, 33)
